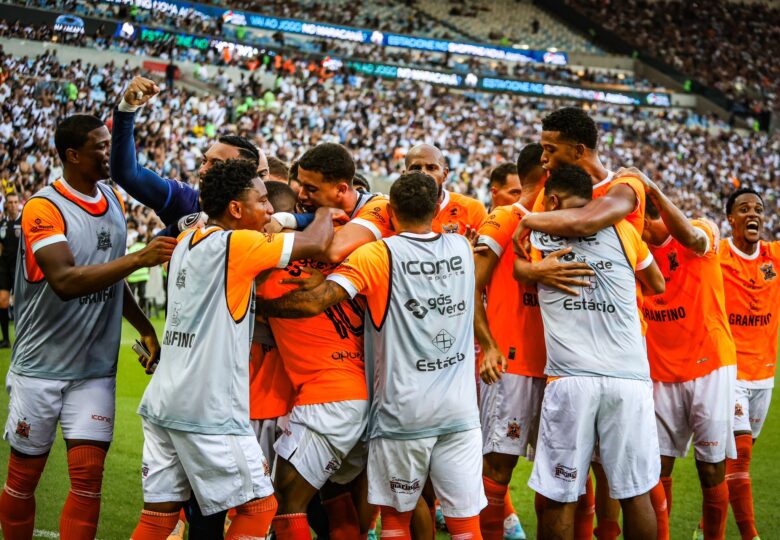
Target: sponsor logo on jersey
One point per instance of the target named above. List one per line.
(439, 363)
(346, 355)
(567, 474)
(399, 485)
(442, 304)
(332, 466)
(513, 430)
(664, 315)
(181, 279)
(588, 305)
(735, 319)
(144, 471)
(440, 269)
(173, 338)
(101, 418)
(530, 299)
(40, 226)
(443, 341)
(103, 240)
(768, 270)
(377, 214)
(98, 297)
(23, 428)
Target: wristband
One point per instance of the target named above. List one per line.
(285, 219)
(124, 106)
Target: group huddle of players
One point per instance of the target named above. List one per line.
(324, 337)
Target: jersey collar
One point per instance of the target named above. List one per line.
(607, 180)
(423, 236)
(522, 208)
(79, 195)
(741, 254)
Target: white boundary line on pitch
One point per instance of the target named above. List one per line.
(40, 533)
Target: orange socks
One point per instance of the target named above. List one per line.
(583, 515)
(80, 514)
(291, 527)
(607, 530)
(666, 481)
(342, 517)
(252, 519)
(491, 519)
(740, 487)
(464, 528)
(715, 510)
(155, 525)
(509, 508)
(658, 500)
(396, 524)
(17, 503)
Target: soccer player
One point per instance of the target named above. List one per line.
(510, 328)
(752, 288)
(10, 231)
(70, 299)
(197, 436)
(504, 184)
(419, 338)
(324, 358)
(278, 171)
(456, 213)
(599, 389)
(694, 377)
(570, 137)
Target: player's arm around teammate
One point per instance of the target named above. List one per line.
(70, 293)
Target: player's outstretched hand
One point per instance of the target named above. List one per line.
(563, 274)
(493, 366)
(140, 91)
(158, 251)
(153, 346)
(310, 280)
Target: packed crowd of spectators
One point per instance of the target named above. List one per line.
(698, 160)
(731, 46)
(104, 38)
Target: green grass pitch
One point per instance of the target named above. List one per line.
(122, 498)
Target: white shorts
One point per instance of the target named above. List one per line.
(577, 412)
(398, 470)
(702, 407)
(84, 408)
(509, 411)
(266, 431)
(751, 409)
(224, 471)
(317, 439)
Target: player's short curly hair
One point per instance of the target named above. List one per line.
(331, 160)
(224, 182)
(414, 197)
(570, 180)
(73, 132)
(741, 191)
(246, 148)
(574, 124)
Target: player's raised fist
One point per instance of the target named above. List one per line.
(140, 91)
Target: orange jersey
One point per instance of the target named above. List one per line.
(512, 308)
(270, 391)
(456, 211)
(752, 289)
(688, 332)
(323, 355)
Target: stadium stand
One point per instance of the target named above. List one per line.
(510, 22)
(731, 46)
(700, 160)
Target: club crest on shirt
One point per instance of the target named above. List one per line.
(103, 240)
(513, 430)
(23, 428)
(450, 228)
(175, 320)
(181, 279)
(674, 264)
(768, 270)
